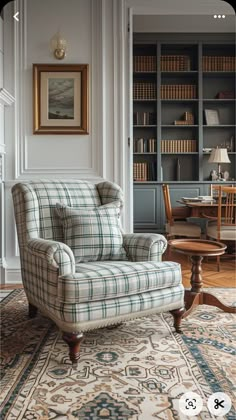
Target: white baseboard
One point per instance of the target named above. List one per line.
(13, 276)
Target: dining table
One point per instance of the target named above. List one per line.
(200, 208)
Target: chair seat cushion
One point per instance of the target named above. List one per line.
(108, 279)
(227, 233)
(184, 229)
(93, 235)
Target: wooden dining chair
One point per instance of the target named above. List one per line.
(176, 223)
(223, 227)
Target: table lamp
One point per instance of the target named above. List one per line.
(219, 156)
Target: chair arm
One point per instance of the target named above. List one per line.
(54, 253)
(144, 246)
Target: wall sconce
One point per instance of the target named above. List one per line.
(58, 46)
(219, 156)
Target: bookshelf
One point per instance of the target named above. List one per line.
(183, 106)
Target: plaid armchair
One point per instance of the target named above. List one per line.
(80, 269)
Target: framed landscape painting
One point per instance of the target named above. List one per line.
(60, 96)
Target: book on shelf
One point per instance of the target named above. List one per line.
(178, 91)
(142, 145)
(144, 171)
(218, 63)
(144, 63)
(144, 118)
(178, 146)
(144, 90)
(175, 63)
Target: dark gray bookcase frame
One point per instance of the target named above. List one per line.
(194, 165)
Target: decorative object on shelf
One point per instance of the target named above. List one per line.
(219, 156)
(60, 98)
(227, 94)
(178, 170)
(207, 149)
(225, 175)
(232, 143)
(58, 46)
(212, 116)
(213, 175)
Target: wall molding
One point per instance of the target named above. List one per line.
(22, 167)
(6, 99)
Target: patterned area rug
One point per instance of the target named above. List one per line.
(137, 371)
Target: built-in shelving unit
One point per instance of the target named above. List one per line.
(183, 103)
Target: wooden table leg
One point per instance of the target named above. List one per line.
(192, 297)
(196, 296)
(209, 299)
(196, 276)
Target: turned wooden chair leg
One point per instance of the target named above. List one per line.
(32, 310)
(73, 340)
(177, 314)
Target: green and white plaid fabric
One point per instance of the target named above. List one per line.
(93, 235)
(94, 313)
(35, 204)
(89, 295)
(108, 279)
(110, 192)
(144, 246)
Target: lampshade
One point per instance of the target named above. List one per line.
(219, 156)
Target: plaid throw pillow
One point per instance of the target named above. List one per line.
(93, 235)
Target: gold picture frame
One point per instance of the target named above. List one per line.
(60, 99)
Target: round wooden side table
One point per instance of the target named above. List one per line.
(197, 249)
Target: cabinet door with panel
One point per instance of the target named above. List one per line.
(147, 208)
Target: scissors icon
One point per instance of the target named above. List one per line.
(218, 403)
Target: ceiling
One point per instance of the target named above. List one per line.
(183, 23)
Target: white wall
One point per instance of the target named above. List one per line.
(88, 27)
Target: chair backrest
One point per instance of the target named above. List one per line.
(35, 204)
(214, 190)
(167, 203)
(226, 216)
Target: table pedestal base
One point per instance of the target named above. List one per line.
(204, 298)
(197, 249)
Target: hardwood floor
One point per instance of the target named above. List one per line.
(211, 278)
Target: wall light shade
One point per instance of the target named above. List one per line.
(58, 46)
